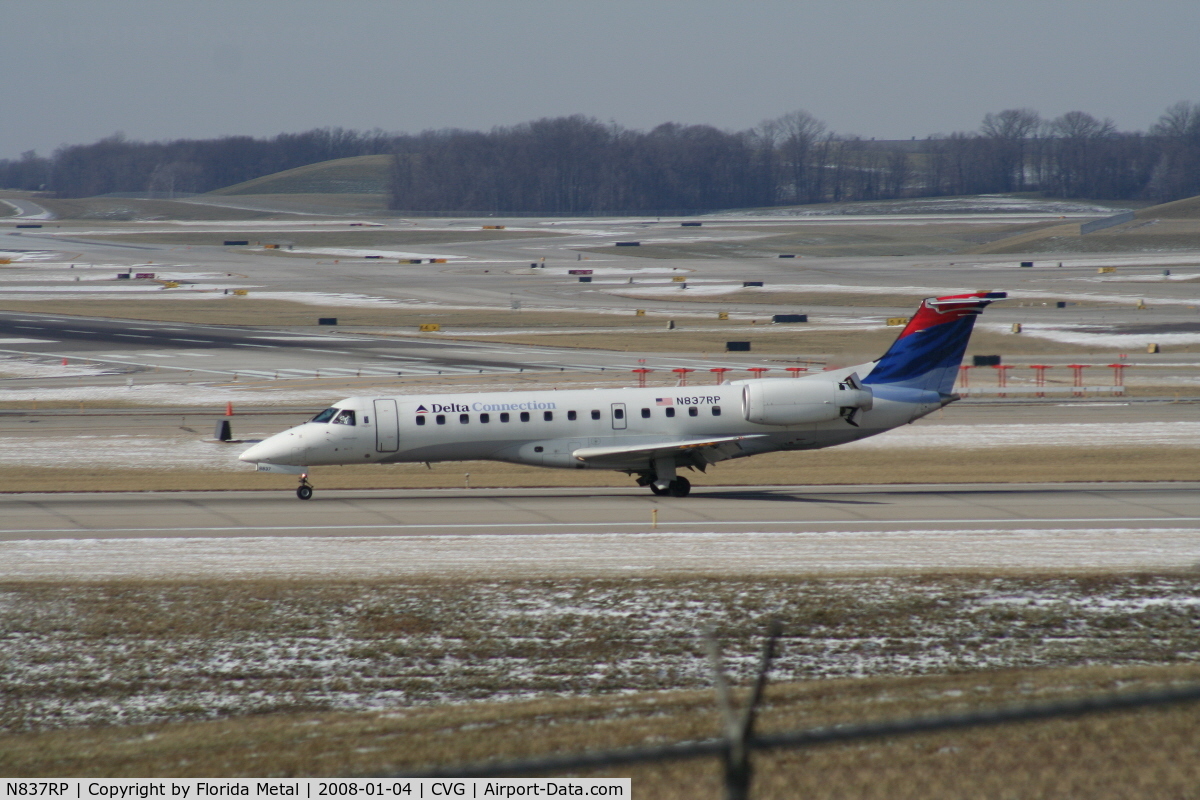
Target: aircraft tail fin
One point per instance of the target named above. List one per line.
(929, 350)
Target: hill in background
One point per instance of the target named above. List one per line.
(357, 175)
(1161, 228)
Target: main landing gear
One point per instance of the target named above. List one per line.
(662, 478)
(304, 490)
(680, 487)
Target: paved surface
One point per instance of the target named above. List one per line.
(601, 532)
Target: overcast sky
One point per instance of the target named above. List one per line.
(74, 71)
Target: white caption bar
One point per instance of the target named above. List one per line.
(405, 788)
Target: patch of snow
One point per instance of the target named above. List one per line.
(121, 452)
(31, 255)
(1043, 263)
(350, 252)
(1076, 334)
(1080, 434)
(21, 368)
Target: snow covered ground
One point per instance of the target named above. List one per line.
(99, 654)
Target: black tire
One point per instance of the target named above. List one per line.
(680, 487)
(657, 490)
(304, 492)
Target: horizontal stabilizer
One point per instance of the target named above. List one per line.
(705, 450)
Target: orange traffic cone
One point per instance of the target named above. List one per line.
(64, 362)
(228, 409)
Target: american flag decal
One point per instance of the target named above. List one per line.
(663, 401)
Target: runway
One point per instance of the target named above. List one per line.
(605, 532)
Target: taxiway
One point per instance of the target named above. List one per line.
(596, 532)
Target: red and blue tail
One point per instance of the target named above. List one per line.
(929, 350)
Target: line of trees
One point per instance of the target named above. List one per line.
(118, 165)
(578, 165)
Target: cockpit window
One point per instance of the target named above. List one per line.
(325, 415)
(346, 417)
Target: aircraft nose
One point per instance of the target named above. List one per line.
(282, 448)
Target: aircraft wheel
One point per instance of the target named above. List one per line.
(680, 487)
(657, 490)
(304, 492)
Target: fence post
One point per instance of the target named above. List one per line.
(739, 728)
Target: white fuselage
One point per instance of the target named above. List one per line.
(564, 429)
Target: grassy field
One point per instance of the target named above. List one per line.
(284, 678)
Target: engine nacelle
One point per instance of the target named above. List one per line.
(788, 401)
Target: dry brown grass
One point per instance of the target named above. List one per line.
(819, 467)
(804, 300)
(843, 347)
(351, 237)
(832, 239)
(231, 310)
(1153, 232)
(797, 300)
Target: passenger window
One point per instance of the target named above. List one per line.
(595, 415)
(645, 413)
(366, 420)
(716, 411)
(441, 419)
(670, 412)
(485, 418)
(693, 411)
(504, 416)
(571, 416)
(524, 416)
(346, 417)
(325, 415)
(420, 420)
(464, 418)
(548, 416)
(618, 413)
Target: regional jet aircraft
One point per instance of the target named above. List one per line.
(648, 433)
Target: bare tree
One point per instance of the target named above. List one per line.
(1008, 131)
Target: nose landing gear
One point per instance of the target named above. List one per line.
(304, 491)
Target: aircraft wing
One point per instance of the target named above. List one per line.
(702, 451)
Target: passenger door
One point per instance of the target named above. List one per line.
(387, 426)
